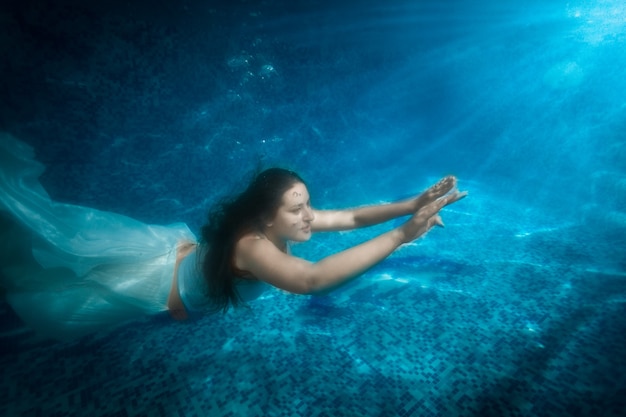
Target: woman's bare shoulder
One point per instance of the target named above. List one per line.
(250, 245)
(248, 240)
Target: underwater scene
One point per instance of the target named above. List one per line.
(158, 110)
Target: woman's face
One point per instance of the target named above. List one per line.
(294, 216)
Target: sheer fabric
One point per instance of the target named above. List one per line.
(90, 269)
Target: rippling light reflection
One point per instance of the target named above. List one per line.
(601, 21)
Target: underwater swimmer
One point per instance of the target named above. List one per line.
(69, 270)
(248, 239)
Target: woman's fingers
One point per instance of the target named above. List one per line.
(446, 200)
(431, 209)
(428, 217)
(436, 221)
(178, 314)
(455, 196)
(441, 188)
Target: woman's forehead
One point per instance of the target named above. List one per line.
(296, 194)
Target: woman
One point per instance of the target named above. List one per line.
(246, 241)
(69, 270)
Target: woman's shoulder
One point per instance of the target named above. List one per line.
(250, 242)
(251, 236)
(245, 246)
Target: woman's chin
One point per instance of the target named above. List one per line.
(302, 237)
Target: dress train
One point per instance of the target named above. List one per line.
(89, 269)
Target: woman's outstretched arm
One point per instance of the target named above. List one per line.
(334, 220)
(267, 263)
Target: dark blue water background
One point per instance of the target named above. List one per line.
(153, 110)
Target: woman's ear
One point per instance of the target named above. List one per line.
(267, 221)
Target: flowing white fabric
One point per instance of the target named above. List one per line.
(93, 268)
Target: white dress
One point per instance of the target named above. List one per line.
(93, 268)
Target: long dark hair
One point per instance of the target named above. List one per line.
(229, 221)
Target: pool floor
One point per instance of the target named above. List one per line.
(522, 323)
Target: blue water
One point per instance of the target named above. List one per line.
(516, 308)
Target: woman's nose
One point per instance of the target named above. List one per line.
(309, 216)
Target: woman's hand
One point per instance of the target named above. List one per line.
(174, 302)
(428, 216)
(436, 191)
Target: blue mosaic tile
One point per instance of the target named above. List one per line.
(525, 337)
